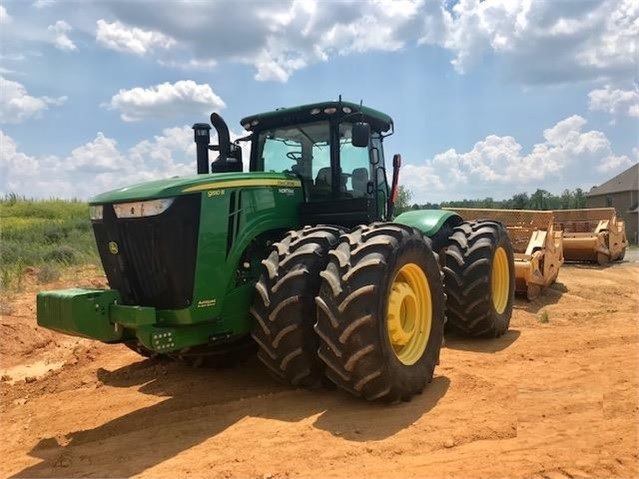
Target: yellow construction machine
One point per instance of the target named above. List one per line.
(537, 245)
(592, 234)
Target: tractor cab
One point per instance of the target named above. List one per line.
(335, 149)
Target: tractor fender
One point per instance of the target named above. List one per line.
(429, 222)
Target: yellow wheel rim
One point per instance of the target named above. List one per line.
(410, 314)
(500, 280)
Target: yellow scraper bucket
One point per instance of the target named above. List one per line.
(537, 246)
(592, 234)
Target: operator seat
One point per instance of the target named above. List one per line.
(323, 182)
(324, 177)
(359, 180)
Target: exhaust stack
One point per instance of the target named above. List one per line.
(202, 139)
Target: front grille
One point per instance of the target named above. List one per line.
(155, 260)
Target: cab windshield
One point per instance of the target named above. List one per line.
(305, 150)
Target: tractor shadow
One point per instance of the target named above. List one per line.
(482, 345)
(199, 404)
(548, 296)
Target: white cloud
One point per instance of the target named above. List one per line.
(96, 156)
(614, 164)
(544, 41)
(11, 159)
(615, 102)
(4, 16)
(498, 166)
(120, 37)
(277, 38)
(184, 97)
(98, 165)
(16, 105)
(59, 36)
(43, 3)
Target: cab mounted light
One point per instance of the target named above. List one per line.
(140, 209)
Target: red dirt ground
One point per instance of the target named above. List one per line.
(555, 399)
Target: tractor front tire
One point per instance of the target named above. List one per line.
(479, 279)
(380, 315)
(284, 306)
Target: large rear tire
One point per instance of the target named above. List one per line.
(284, 305)
(479, 279)
(380, 314)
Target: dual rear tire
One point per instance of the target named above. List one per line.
(364, 309)
(380, 314)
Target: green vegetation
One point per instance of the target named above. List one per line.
(404, 195)
(543, 317)
(539, 200)
(46, 235)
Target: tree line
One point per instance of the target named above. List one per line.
(539, 200)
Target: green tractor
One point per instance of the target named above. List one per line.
(300, 258)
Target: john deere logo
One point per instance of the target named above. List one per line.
(113, 247)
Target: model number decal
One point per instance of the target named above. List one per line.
(206, 303)
(215, 193)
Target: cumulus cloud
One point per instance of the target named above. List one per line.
(616, 102)
(123, 38)
(98, 165)
(544, 41)
(16, 105)
(539, 42)
(277, 38)
(184, 97)
(498, 164)
(59, 36)
(4, 16)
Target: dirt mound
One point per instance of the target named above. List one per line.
(21, 339)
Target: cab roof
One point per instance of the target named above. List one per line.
(326, 110)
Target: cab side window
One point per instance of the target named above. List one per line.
(355, 163)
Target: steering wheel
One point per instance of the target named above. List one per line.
(294, 155)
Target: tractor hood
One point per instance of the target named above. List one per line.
(172, 187)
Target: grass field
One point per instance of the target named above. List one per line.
(43, 234)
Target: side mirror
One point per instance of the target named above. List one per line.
(361, 134)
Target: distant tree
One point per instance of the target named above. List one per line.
(567, 199)
(539, 199)
(520, 201)
(430, 206)
(487, 203)
(404, 195)
(579, 199)
(553, 202)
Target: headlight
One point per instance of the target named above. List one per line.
(139, 209)
(96, 212)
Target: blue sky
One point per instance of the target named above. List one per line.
(489, 98)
